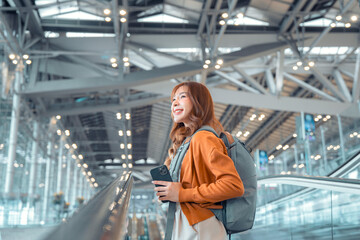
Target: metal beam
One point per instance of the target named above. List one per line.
(270, 81)
(137, 46)
(223, 28)
(327, 29)
(309, 87)
(91, 65)
(66, 69)
(84, 85)
(342, 85)
(289, 18)
(64, 87)
(251, 80)
(7, 34)
(237, 82)
(71, 110)
(279, 72)
(290, 104)
(203, 19)
(34, 21)
(356, 84)
(319, 76)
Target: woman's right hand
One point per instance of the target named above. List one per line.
(168, 190)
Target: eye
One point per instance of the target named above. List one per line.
(183, 96)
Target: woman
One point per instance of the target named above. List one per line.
(207, 174)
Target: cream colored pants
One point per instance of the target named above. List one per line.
(209, 229)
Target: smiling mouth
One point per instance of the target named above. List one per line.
(178, 111)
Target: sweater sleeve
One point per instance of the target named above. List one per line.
(211, 150)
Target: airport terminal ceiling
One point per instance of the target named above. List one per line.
(105, 69)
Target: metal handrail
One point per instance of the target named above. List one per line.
(327, 183)
(103, 217)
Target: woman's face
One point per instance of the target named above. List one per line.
(181, 105)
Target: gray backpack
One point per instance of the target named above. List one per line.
(237, 214)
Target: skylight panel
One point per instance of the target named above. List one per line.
(84, 35)
(321, 22)
(343, 50)
(54, 11)
(163, 18)
(178, 50)
(79, 15)
(288, 51)
(49, 34)
(247, 21)
(315, 50)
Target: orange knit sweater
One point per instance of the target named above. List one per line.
(208, 176)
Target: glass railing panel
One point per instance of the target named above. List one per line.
(333, 143)
(318, 214)
(345, 215)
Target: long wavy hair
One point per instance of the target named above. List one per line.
(201, 114)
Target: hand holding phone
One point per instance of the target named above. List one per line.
(160, 173)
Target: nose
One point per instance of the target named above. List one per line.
(175, 102)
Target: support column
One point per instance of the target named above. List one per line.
(74, 184)
(67, 193)
(9, 180)
(81, 187)
(60, 160)
(306, 146)
(34, 164)
(322, 131)
(342, 143)
(296, 159)
(50, 151)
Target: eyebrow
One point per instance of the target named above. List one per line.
(180, 94)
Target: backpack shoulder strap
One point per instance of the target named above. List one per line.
(207, 128)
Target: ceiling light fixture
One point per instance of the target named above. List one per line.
(118, 115)
(107, 11)
(122, 12)
(225, 15)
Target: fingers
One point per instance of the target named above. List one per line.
(164, 183)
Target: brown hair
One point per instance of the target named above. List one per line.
(201, 114)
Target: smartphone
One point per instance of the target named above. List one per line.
(161, 173)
